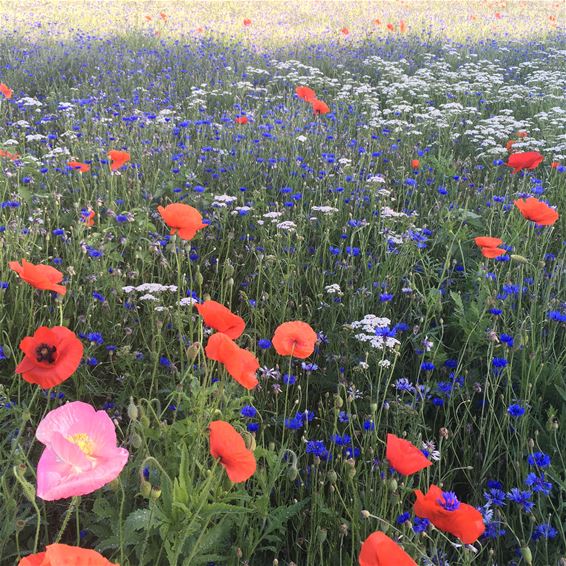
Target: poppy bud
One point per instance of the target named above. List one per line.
(271, 446)
(239, 552)
(136, 440)
(206, 297)
(144, 420)
(199, 278)
(365, 514)
(321, 535)
(519, 258)
(155, 493)
(531, 443)
(20, 524)
(193, 350)
(392, 483)
(373, 408)
(527, 554)
(338, 401)
(145, 489)
(133, 412)
(228, 269)
(230, 282)
(275, 562)
(292, 473)
(444, 433)
(332, 476)
(249, 439)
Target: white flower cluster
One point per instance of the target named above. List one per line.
(374, 331)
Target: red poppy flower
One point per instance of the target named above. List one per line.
(42, 277)
(305, 93)
(7, 92)
(488, 246)
(241, 120)
(446, 513)
(88, 218)
(415, 163)
(404, 457)
(226, 444)
(554, 164)
(390, 27)
(524, 160)
(221, 318)
(10, 156)
(344, 31)
(82, 167)
(182, 219)
(118, 159)
(509, 145)
(379, 550)
(247, 22)
(241, 364)
(60, 554)
(51, 356)
(522, 134)
(402, 26)
(148, 18)
(200, 30)
(537, 211)
(319, 107)
(163, 16)
(377, 22)
(295, 339)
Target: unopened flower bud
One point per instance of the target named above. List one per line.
(193, 350)
(155, 493)
(332, 476)
(365, 514)
(527, 554)
(133, 411)
(519, 258)
(393, 485)
(292, 473)
(136, 440)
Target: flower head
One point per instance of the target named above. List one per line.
(379, 550)
(229, 446)
(51, 356)
(80, 453)
(7, 92)
(77, 165)
(305, 93)
(63, 554)
(118, 159)
(537, 211)
(319, 107)
(525, 160)
(404, 457)
(295, 339)
(182, 219)
(221, 318)
(445, 512)
(42, 277)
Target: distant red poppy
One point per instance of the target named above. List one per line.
(241, 364)
(522, 134)
(229, 446)
(62, 554)
(221, 318)
(537, 211)
(402, 26)
(415, 163)
(390, 27)
(488, 246)
(554, 164)
(182, 219)
(118, 159)
(379, 550)
(377, 22)
(509, 145)
(295, 339)
(42, 277)
(446, 513)
(525, 160)
(305, 93)
(498, 16)
(200, 30)
(163, 16)
(319, 107)
(7, 92)
(404, 457)
(82, 167)
(88, 218)
(344, 31)
(247, 22)
(51, 356)
(241, 120)
(10, 156)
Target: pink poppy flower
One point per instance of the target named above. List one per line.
(80, 453)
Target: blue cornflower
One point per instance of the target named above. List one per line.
(403, 384)
(95, 337)
(546, 530)
(264, 343)
(449, 501)
(516, 410)
(539, 459)
(420, 525)
(493, 530)
(309, 366)
(341, 440)
(403, 518)
(294, 423)
(317, 448)
(98, 296)
(522, 498)
(252, 427)
(288, 379)
(2, 354)
(248, 411)
(495, 496)
(495, 312)
(165, 361)
(385, 297)
(538, 483)
(556, 315)
(121, 218)
(369, 425)
(499, 363)
(352, 452)
(343, 417)
(427, 366)
(507, 339)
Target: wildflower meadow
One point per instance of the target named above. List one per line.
(282, 283)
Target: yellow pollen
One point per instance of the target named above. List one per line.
(83, 441)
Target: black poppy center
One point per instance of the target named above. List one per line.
(45, 353)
